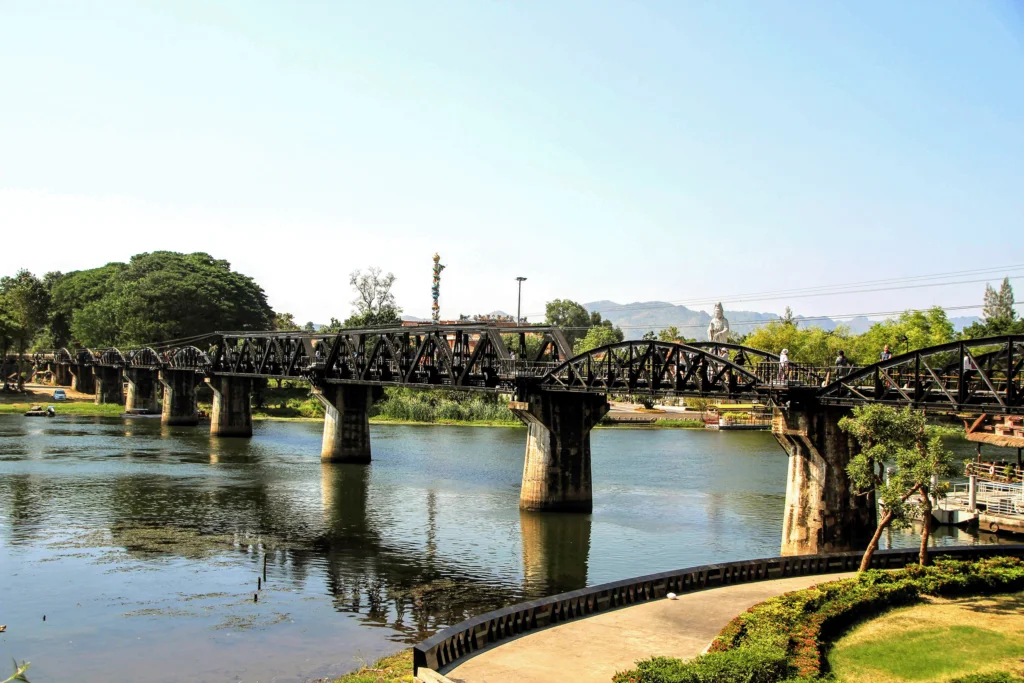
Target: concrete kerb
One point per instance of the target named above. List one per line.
(468, 638)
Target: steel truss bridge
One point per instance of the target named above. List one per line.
(979, 376)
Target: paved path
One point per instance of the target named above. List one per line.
(592, 649)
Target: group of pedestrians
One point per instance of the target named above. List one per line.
(842, 363)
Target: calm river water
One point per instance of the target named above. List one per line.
(141, 545)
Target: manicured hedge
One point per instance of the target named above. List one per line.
(782, 638)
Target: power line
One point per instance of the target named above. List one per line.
(765, 321)
(827, 290)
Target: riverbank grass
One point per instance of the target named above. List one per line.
(395, 668)
(66, 408)
(935, 641)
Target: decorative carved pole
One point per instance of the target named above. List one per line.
(435, 290)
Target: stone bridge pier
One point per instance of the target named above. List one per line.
(232, 411)
(82, 379)
(142, 390)
(346, 421)
(822, 514)
(109, 384)
(556, 473)
(179, 406)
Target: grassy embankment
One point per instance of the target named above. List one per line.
(65, 408)
(395, 668)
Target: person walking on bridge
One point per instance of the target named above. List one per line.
(842, 364)
(784, 365)
(885, 355)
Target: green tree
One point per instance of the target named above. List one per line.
(649, 336)
(887, 436)
(25, 302)
(672, 334)
(284, 321)
(596, 336)
(309, 327)
(573, 318)
(910, 331)
(163, 295)
(71, 292)
(999, 315)
(374, 302)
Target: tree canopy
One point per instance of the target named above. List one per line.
(156, 296)
(909, 331)
(999, 317)
(575, 320)
(24, 303)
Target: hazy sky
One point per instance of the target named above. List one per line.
(606, 150)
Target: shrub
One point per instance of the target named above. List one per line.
(745, 665)
(785, 636)
(998, 677)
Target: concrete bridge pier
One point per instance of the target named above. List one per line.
(82, 379)
(346, 421)
(142, 386)
(179, 407)
(821, 515)
(231, 414)
(109, 384)
(61, 375)
(556, 473)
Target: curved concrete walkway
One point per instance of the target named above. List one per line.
(593, 649)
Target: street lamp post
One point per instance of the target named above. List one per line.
(519, 305)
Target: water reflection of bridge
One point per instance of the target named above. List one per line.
(403, 584)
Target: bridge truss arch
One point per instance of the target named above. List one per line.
(654, 367)
(111, 357)
(187, 358)
(976, 375)
(143, 358)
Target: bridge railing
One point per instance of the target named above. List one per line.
(776, 374)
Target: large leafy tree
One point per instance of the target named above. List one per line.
(71, 292)
(573, 318)
(164, 295)
(896, 439)
(375, 303)
(24, 302)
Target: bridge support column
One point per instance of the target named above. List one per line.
(179, 398)
(82, 379)
(142, 384)
(822, 515)
(346, 421)
(61, 375)
(556, 473)
(231, 415)
(109, 385)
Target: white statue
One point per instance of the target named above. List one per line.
(718, 328)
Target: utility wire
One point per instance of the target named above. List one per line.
(911, 282)
(765, 321)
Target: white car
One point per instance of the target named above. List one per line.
(59, 395)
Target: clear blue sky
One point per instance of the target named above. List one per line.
(606, 150)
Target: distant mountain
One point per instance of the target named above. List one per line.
(641, 316)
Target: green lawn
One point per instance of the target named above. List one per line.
(934, 642)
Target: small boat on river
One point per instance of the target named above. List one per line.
(141, 412)
(39, 411)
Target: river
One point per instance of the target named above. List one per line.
(142, 544)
